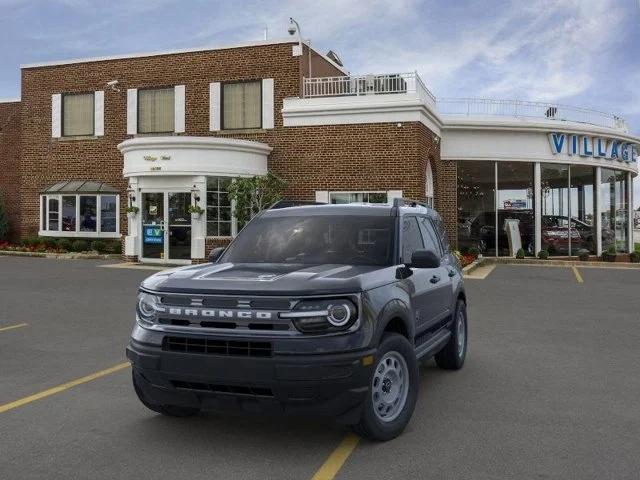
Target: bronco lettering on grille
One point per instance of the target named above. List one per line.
(216, 313)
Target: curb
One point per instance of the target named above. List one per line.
(560, 263)
(474, 265)
(61, 256)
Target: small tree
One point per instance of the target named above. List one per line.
(253, 194)
(4, 221)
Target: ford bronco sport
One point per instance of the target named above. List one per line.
(315, 309)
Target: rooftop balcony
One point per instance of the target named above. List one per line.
(411, 84)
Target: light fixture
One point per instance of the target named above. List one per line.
(294, 27)
(132, 193)
(195, 192)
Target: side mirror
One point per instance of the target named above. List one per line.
(424, 259)
(215, 254)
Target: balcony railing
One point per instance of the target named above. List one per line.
(519, 108)
(394, 83)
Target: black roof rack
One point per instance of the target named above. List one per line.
(293, 203)
(409, 202)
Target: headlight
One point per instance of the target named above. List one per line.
(323, 316)
(148, 307)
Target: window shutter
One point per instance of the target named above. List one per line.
(98, 112)
(56, 115)
(179, 109)
(132, 111)
(267, 103)
(322, 196)
(214, 106)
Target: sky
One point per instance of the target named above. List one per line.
(577, 52)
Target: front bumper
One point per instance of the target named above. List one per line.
(331, 385)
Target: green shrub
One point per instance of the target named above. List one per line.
(475, 251)
(4, 221)
(634, 257)
(79, 246)
(116, 247)
(520, 253)
(49, 242)
(64, 244)
(583, 255)
(610, 255)
(30, 241)
(543, 254)
(99, 246)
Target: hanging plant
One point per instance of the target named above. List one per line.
(132, 210)
(195, 210)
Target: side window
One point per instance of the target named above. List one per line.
(411, 238)
(430, 237)
(442, 231)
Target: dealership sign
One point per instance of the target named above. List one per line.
(597, 147)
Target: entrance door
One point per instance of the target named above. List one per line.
(166, 227)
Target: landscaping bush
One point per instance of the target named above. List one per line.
(634, 257)
(543, 254)
(99, 246)
(49, 242)
(4, 221)
(610, 255)
(30, 241)
(583, 255)
(116, 247)
(64, 244)
(520, 253)
(79, 246)
(475, 251)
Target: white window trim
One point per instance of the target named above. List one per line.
(386, 192)
(78, 233)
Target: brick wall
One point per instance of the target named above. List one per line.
(9, 163)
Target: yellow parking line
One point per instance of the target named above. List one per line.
(11, 327)
(334, 463)
(60, 388)
(577, 274)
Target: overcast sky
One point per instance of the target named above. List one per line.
(580, 52)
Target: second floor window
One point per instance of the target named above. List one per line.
(156, 110)
(241, 105)
(77, 114)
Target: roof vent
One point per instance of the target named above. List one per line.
(333, 56)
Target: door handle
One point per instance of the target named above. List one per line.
(435, 279)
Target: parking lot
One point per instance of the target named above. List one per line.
(550, 389)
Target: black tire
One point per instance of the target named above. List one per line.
(370, 425)
(452, 356)
(168, 410)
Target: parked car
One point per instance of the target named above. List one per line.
(315, 310)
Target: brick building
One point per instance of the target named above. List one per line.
(163, 131)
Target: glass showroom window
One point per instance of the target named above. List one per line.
(218, 207)
(554, 196)
(614, 210)
(582, 203)
(515, 208)
(242, 105)
(357, 197)
(78, 215)
(477, 206)
(156, 110)
(77, 114)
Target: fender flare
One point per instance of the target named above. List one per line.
(394, 309)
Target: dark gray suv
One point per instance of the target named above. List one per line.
(313, 310)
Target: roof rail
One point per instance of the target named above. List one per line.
(409, 202)
(293, 203)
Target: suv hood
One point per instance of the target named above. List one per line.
(270, 279)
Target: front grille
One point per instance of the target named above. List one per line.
(208, 346)
(217, 388)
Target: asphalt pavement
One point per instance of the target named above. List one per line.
(550, 389)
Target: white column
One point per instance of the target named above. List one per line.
(598, 219)
(199, 226)
(537, 206)
(630, 209)
(132, 245)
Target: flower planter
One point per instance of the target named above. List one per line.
(131, 215)
(195, 216)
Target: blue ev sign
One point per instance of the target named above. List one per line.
(597, 147)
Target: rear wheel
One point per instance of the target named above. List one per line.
(168, 410)
(393, 390)
(452, 356)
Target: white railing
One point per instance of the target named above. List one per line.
(393, 83)
(519, 108)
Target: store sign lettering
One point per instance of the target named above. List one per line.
(597, 147)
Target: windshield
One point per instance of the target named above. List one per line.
(315, 240)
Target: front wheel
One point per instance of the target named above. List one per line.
(393, 390)
(452, 356)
